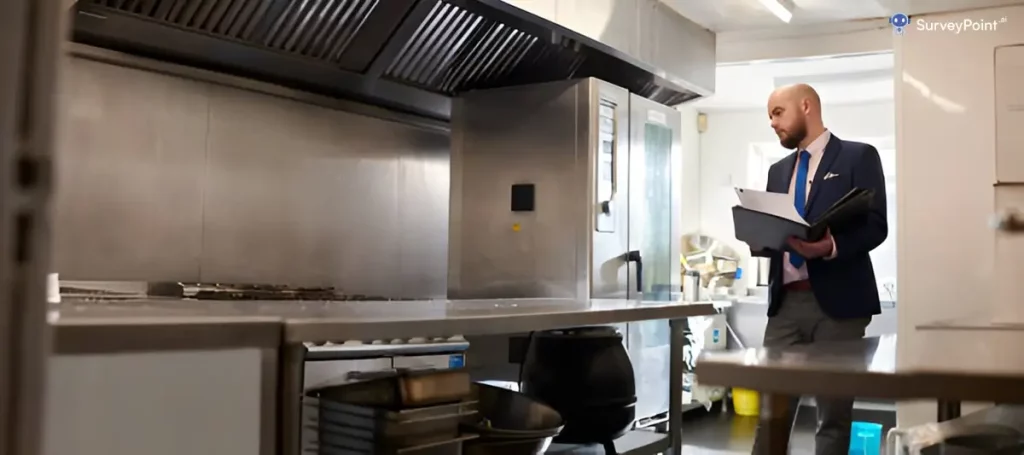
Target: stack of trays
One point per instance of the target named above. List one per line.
(408, 413)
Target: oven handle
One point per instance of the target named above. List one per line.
(374, 351)
(634, 256)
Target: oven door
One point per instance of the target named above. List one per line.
(655, 190)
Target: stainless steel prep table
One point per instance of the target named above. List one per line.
(864, 368)
(340, 321)
(127, 322)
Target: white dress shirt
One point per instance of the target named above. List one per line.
(816, 149)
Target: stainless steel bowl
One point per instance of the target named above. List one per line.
(988, 439)
(506, 414)
(506, 446)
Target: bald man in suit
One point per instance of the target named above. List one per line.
(825, 290)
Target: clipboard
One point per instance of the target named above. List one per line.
(766, 220)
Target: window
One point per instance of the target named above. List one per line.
(763, 154)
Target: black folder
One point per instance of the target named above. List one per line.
(763, 230)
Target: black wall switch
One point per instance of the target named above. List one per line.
(523, 197)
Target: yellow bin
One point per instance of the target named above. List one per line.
(746, 402)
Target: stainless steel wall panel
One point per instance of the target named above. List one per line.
(129, 175)
(171, 179)
(298, 194)
(423, 211)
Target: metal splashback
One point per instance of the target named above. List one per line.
(408, 55)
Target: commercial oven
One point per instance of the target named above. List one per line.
(569, 190)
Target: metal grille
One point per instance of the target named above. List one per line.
(321, 29)
(454, 49)
(236, 19)
(406, 54)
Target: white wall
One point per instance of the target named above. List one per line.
(850, 37)
(835, 38)
(946, 168)
(725, 149)
(845, 79)
(691, 175)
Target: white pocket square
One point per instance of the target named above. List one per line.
(830, 175)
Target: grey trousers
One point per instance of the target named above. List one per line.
(799, 321)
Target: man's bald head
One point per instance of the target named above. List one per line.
(798, 93)
(795, 114)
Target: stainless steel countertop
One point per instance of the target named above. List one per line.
(156, 325)
(128, 323)
(864, 368)
(976, 323)
(369, 320)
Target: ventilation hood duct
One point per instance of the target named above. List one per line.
(407, 55)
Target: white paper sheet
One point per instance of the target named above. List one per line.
(778, 204)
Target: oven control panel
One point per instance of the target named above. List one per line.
(606, 175)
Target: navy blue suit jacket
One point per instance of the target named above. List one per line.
(845, 285)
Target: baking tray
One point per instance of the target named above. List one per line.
(402, 389)
(397, 428)
(339, 445)
(405, 434)
(332, 411)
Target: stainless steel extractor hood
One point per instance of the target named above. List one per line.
(407, 55)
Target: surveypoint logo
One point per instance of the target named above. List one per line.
(900, 22)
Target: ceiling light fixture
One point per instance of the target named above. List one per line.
(783, 9)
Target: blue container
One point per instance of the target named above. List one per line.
(456, 361)
(865, 438)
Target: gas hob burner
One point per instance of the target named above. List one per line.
(225, 291)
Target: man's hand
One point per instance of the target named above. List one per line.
(824, 248)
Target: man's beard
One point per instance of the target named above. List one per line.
(793, 139)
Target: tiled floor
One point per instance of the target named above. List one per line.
(716, 433)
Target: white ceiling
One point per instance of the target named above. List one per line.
(838, 80)
(735, 15)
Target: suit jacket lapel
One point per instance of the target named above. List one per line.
(788, 164)
(832, 150)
